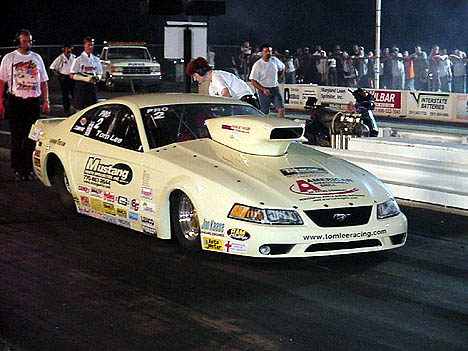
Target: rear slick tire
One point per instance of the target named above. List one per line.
(62, 187)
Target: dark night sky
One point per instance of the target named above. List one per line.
(283, 23)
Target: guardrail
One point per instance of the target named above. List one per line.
(422, 105)
(416, 170)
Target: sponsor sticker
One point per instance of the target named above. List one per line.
(238, 234)
(108, 196)
(212, 244)
(84, 189)
(122, 200)
(148, 230)
(236, 128)
(85, 211)
(302, 171)
(147, 221)
(148, 207)
(95, 192)
(135, 205)
(109, 208)
(122, 212)
(58, 142)
(322, 186)
(124, 223)
(212, 226)
(85, 201)
(146, 193)
(109, 219)
(235, 247)
(133, 216)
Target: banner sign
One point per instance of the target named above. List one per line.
(429, 105)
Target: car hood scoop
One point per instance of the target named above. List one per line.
(256, 135)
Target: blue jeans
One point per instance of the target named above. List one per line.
(459, 84)
(445, 84)
(274, 97)
(398, 82)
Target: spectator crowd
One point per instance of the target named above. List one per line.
(399, 70)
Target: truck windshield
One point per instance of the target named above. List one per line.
(128, 53)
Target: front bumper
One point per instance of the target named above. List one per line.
(305, 241)
(127, 79)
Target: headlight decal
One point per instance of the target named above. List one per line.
(265, 216)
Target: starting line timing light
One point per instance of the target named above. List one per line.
(188, 7)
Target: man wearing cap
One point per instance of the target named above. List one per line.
(221, 83)
(265, 75)
(61, 68)
(86, 70)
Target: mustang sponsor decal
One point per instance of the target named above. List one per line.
(212, 244)
(102, 174)
(238, 234)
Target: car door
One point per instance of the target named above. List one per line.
(106, 164)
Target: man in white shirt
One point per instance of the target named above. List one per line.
(26, 76)
(86, 70)
(61, 68)
(265, 74)
(459, 71)
(398, 69)
(221, 83)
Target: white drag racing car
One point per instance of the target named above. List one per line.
(216, 174)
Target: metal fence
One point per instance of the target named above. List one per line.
(224, 56)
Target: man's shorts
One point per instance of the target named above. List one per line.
(274, 97)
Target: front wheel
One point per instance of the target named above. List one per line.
(62, 186)
(185, 222)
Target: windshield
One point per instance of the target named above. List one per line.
(128, 53)
(175, 123)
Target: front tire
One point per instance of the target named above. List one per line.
(63, 189)
(185, 222)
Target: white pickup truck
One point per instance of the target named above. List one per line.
(129, 63)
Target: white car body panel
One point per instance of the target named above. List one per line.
(239, 164)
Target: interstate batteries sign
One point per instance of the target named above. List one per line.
(429, 105)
